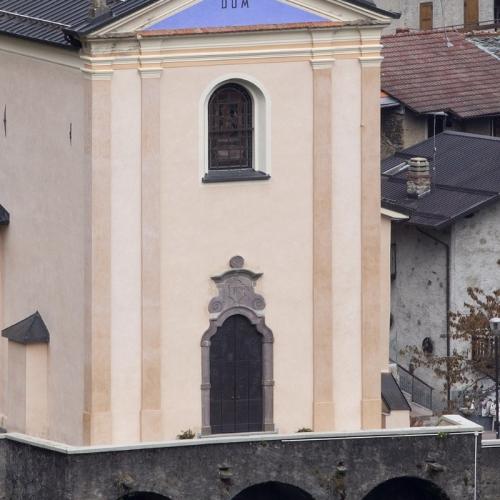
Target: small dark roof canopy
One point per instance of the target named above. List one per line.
(4, 216)
(63, 22)
(433, 71)
(31, 330)
(392, 395)
(466, 178)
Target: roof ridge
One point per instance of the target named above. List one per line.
(446, 187)
(468, 134)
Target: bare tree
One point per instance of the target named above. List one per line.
(473, 354)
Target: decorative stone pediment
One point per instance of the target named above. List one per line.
(236, 288)
(202, 14)
(223, 13)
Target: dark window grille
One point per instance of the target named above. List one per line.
(230, 128)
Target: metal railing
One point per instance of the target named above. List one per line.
(419, 391)
(483, 349)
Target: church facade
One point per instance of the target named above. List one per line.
(195, 238)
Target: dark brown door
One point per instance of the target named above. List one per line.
(426, 16)
(471, 14)
(236, 377)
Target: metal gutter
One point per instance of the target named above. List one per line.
(448, 305)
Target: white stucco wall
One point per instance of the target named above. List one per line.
(42, 186)
(203, 226)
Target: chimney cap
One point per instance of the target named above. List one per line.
(418, 179)
(418, 161)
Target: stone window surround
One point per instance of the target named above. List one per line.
(251, 306)
(262, 126)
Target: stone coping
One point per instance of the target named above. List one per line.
(449, 424)
(490, 443)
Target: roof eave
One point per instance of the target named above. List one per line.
(374, 8)
(82, 30)
(57, 45)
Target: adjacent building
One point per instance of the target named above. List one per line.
(435, 81)
(436, 14)
(449, 188)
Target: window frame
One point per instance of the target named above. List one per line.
(423, 21)
(261, 130)
(224, 97)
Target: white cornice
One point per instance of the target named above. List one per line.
(298, 44)
(92, 74)
(150, 73)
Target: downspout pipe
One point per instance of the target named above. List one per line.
(448, 303)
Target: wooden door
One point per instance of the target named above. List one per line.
(236, 378)
(471, 14)
(426, 16)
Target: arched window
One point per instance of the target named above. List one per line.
(230, 128)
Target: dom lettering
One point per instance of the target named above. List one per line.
(235, 4)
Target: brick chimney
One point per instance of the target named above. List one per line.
(98, 8)
(418, 180)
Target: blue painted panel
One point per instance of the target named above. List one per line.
(222, 13)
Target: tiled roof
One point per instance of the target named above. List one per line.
(466, 177)
(51, 21)
(48, 20)
(428, 75)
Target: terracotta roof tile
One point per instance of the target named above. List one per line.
(420, 70)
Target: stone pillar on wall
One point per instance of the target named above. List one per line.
(323, 398)
(371, 406)
(151, 418)
(97, 422)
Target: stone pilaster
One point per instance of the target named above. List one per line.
(97, 402)
(371, 405)
(323, 404)
(151, 423)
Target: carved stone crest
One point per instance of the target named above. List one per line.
(236, 289)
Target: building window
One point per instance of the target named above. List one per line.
(471, 14)
(234, 139)
(426, 16)
(230, 128)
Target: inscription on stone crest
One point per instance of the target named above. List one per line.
(237, 289)
(235, 4)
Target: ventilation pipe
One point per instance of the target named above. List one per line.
(98, 8)
(418, 180)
